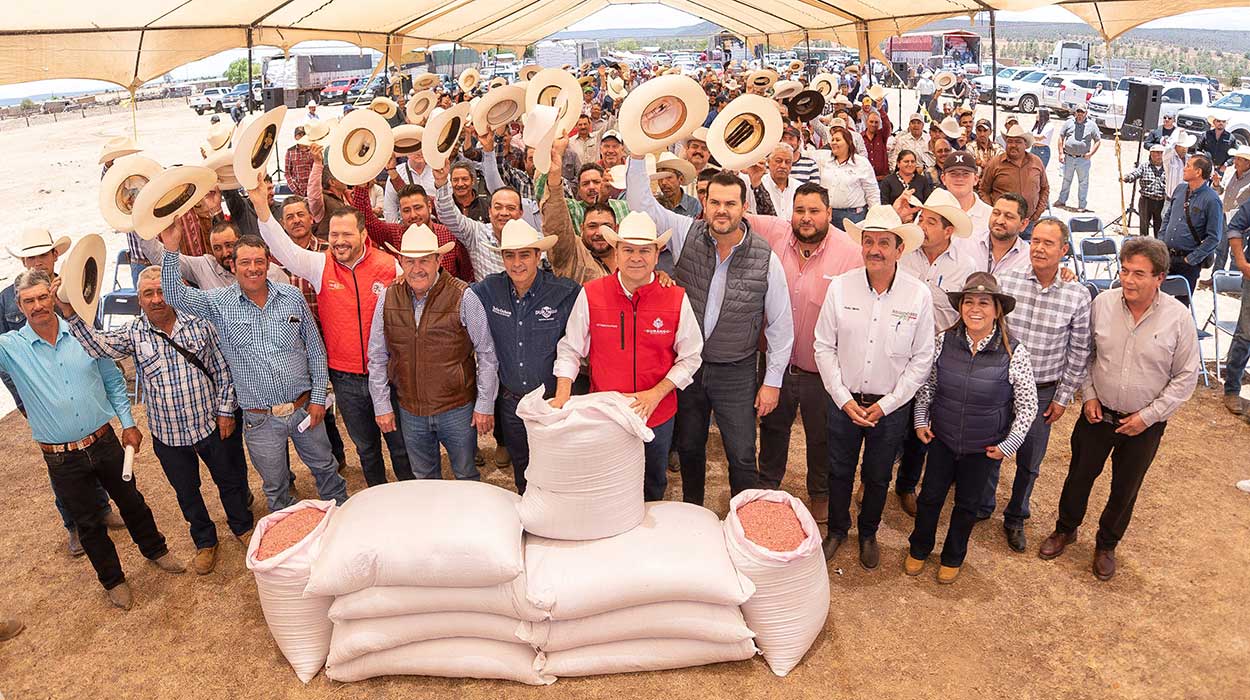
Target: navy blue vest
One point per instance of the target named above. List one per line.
(972, 408)
(526, 332)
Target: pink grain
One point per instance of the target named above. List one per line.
(288, 531)
(772, 525)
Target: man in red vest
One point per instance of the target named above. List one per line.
(640, 339)
(347, 278)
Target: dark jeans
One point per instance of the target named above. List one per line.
(75, 476)
(728, 391)
(351, 396)
(1178, 266)
(879, 444)
(911, 463)
(655, 478)
(1151, 215)
(336, 438)
(1239, 348)
(969, 473)
(102, 503)
(514, 435)
(1028, 465)
(1130, 458)
(228, 470)
(800, 391)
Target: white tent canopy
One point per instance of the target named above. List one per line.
(132, 43)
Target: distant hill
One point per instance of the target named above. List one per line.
(700, 29)
(1234, 41)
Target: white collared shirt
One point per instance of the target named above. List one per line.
(851, 185)
(945, 274)
(873, 343)
(783, 200)
(1015, 259)
(980, 215)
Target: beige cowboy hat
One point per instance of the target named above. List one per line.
(982, 283)
(945, 205)
(944, 80)
(795, 65)
(407, 138)
(672, 163)
(384, 106)
(875, 92)
(359, 147)
(316, 132)
(469, 78)
(841, 100)
(540, 128)
(637, 228)
(528, 72)
(517, 234)
(617, 174)
(1240, 152)
(82, 276)
(442, 133)
(699, 134)
(951, 128)
(785, 89)
(586, 81)
(255, 145)
(121, 185)
(1018, 132)
(882, 217)
(826, 83)
(661, 112)
(744, 132)
(219, 136)
(556, 88)
(762, 79)
(37, 241)
(420, 106)
(1185, 139)
(222, 163)
(418, 242)
(497, 82)
(426, 81)
(851, 69)
(616, 88)
(168, 196)
(500, 106)
(117, 147)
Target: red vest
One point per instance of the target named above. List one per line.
(345, 306)
(631, 340)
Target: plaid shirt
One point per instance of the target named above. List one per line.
(310, 295)
(275, 353)
(182, 401)
(299, 162)
(476, 236)
(1153, 180)
(518, 180)
(1053, 323)
(456, 261)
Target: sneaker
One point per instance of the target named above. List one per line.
(75, 545)
(119, 595)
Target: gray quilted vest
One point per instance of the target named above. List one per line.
(737, 332)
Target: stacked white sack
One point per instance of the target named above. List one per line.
(791, 600)
(586, 466)
(298, 624)
(662, 595)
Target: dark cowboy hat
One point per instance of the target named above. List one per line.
(982, 283)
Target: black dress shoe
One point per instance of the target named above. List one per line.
(831, 543)
(1015, 538)
(869, 553)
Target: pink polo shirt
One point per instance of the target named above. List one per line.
(808, 282)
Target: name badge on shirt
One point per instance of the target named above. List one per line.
(146, 349)
(292, 319)
(502, 312)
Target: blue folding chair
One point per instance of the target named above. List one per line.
(121, 301)
(1178, 287)
(1088, 225)
(1099, 252)
(1093, 289)
(1223, 282)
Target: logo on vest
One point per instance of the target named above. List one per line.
(378, 288)
(545, 312)
(502, 312)
(335, 284)
(657, 328)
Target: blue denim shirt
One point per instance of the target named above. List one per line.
(526, 329)
(1206, 211)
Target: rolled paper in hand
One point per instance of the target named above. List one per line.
(128, 463)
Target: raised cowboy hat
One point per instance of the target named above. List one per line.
(359, 147)
(117, 147)
(882, 217)
(806, 106)
(540, 126)
(661, 112)
(795, 65)
(426, 81)
(825, 83)
(945, 205)
(219, 136)
(37, 241)
(384, 106)
(617, 174)
(121, 185)
(407, 138)
(255, 145)
(680, 166)
(944, 80)
(168, 196)
(876, 92)
(316, 132)
(469, 78)
(442, 133)
(222, 163)
(745, 132)
(586, 81)
(616, 88)
(1185, 139)
(517, 234)
(762, 79)
(557, 88)
(637, 228)
(785, 89)
(82, 276)
(1018, 132)
(950, 127)
(497, 82)
(528, 72)
(500, 106)
(420, 105)
(418, 242)
(982, 283)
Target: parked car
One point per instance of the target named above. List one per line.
(1062, 91)
(1108, 109)
(359, 89)
(1234, 108)
(336, 90)
(985, 83)
(1022, 93)
(217, 99)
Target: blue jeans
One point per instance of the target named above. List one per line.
(1028, 465)
(969, 474)
(911, 463)
(1042, 152)
(228, 469)
(266, 436)
(452, 429)
(351, 397)
(1080, 168)
(879, 445)
(727, 390)
(514, 435)
(838, 214)
(1239, 350)
(102, 502)
(655, 478)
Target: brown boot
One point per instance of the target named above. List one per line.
(169, 564)
(119, 595)
(1055, 544)
(908, 503)
(502, 457)
(948, 574)
(10, 628)
(205, 560)
(245, 538)
(1104, 563)
(1235, 404)
(75, 545)
(820, 509)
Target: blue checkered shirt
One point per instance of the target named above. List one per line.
(182, 402)
(275, 353)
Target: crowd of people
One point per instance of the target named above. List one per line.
(904, 290)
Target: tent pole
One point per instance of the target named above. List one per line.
(250, 103)
(134, 119)
(453, 60)
(993, 68)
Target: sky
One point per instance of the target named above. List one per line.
(633, 16)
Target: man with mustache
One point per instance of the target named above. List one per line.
(215, 269)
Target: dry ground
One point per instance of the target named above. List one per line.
(1172, 624)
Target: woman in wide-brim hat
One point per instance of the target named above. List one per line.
(974, 411)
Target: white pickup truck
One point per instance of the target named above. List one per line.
(217, 99)
(1107, 109)
(1234, 108)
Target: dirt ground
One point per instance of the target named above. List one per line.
(1172, 624)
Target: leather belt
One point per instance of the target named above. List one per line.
(1048, 385)
(866, 399)
(79, 445)
(283, 410)
(1114, 415)
(795, 369)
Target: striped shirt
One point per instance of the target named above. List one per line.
(182, 401)
(475, 235)
(1053, 323)
(805, 169)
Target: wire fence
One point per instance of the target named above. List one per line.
(17, 117)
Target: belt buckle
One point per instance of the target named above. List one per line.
(283, 410)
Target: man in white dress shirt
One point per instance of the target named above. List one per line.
(414, 171)
(874, 348)
(1003, 250)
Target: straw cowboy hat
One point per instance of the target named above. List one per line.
(500, 106)
(851, 69)
(407, 138)
(219, 136)
(517, 234)
(876, 92)
(37, 241)
(661, 112)
(617, 173)
(222, 163)
(359, 147)
(121, 185)
(744, 132)
(762, 79)
(699, 134)
(168, 196)
(785, 89)
(528, 72)
(586, 81)
(982, 283)
(469, 78)
(795, 65)
(1240, 152)
(806, 106)
(825, 83)
(556, 88)
(82, 275)
(420, 105)
(497, 82)
(882, 217)
(1184, 139)
(418, 242)
(1018, 132)
(255, 145)
(675, 164)
(117, 147)
(950, 127)
(384, 106)
(426, 81)
(841, 101)
(945, 205)
(541, 125)
(944, 80)
(316, 132)
(442, 133)
(637, 228)
(616, 88)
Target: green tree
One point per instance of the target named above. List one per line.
(28, 104)
(237, 71)
(627, 45)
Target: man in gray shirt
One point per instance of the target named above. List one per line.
(1081, 138)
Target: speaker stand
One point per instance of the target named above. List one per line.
(1124, 221)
